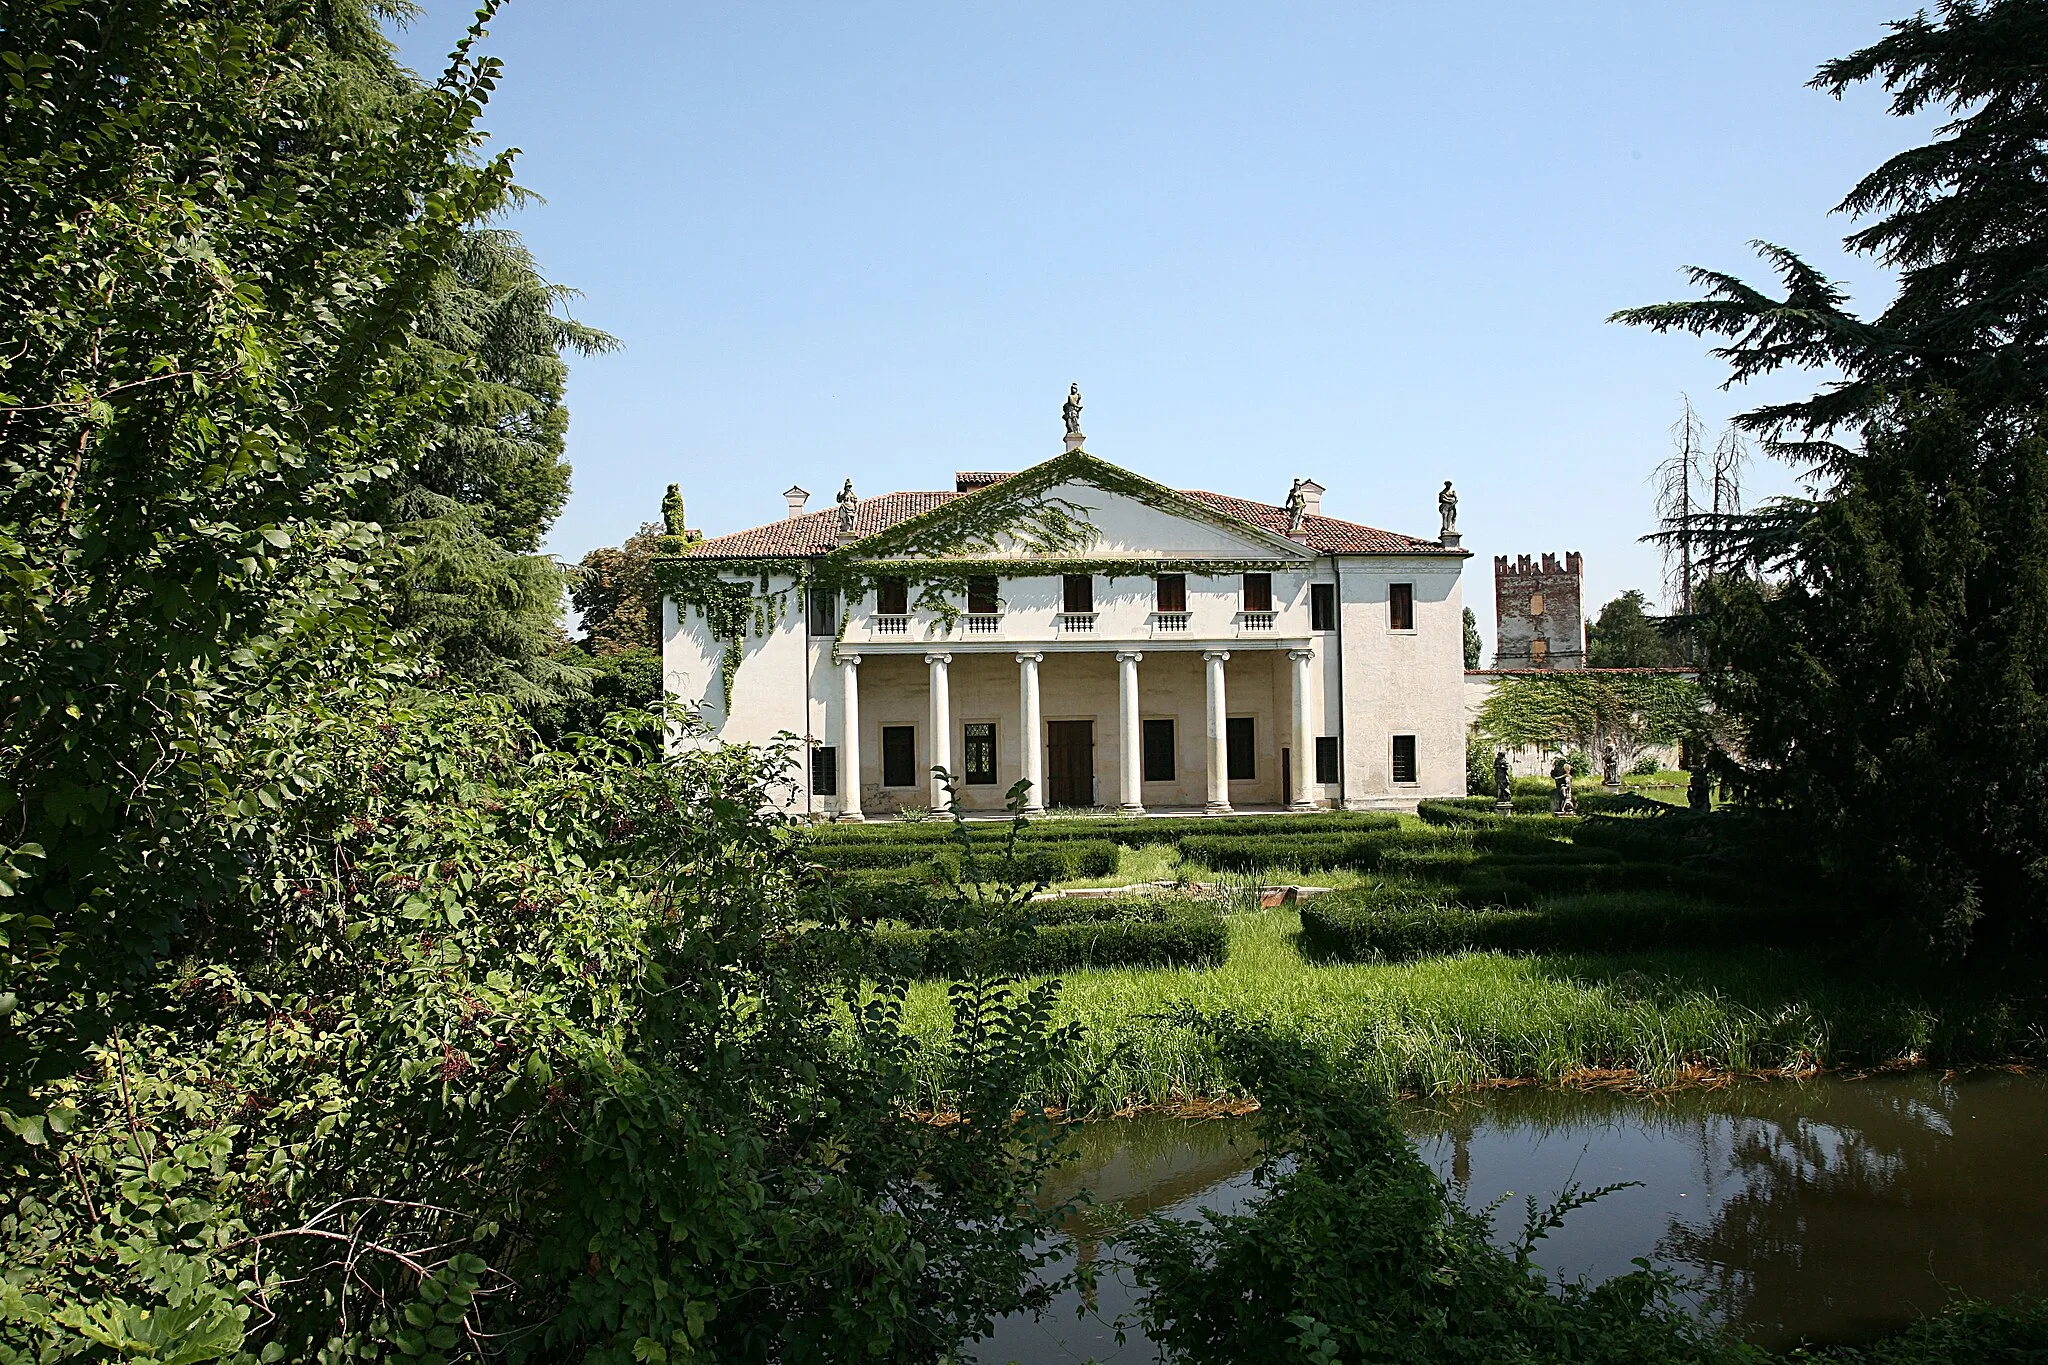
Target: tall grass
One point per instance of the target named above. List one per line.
(1459, 1021)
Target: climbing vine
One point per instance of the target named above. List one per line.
(1583, 709)
(1012, 529)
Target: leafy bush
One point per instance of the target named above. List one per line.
(1646, 766)
(1253, 853)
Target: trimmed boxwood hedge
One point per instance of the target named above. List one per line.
(1127, 832)
(1030, 862)
(1393, 924)
(1167, 932)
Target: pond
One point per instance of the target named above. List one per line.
(1826, 1210)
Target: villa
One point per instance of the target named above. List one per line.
(1110, 641)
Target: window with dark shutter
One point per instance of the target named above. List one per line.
(824, 771)
(978, 752)
(824, 611)
(1240, 739)
(1158, 750)
(981, 597)
(1322, 606)
(899, 755)
(1170, 592)
(1326, 759)
(1404, 759)
(892, 597)
(1077, 594)
(1258, 592)
(1400, 606)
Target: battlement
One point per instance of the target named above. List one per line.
(1539, 616)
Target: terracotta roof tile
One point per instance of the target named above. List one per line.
(817, 533)
(1325, 534)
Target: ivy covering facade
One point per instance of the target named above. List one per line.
(937, 552)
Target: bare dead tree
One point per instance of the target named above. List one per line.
(1729, 462)
(1680, 480)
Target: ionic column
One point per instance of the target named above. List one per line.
(1219, 730)
(942, 727)
(849, 738)
(1033, 741)
(1304, 742)
(1129, 737)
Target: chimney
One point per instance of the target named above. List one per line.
(1312, 497)
(796, 498)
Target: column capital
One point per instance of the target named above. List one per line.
(1130, 656)
(851, 659)
(1215, 654)
(938, 657)
(1301, 654)
(1030, 656)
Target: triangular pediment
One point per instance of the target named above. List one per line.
(1078, 505)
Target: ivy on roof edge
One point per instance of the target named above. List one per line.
(939, 550)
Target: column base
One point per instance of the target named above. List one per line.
(1302, 806)
(1130, 810)
(1217, 808)
(852, 817)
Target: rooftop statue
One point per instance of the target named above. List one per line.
(847, 502)
(1447, 505)
(1297, 509)
(1071, 410)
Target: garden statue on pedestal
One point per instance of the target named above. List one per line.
(1610, 766)
(1562, 801)
(1503, 789)
(1699, 791)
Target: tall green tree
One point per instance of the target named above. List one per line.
(1884, 649)
(1624, 636)
(1474, 646)
(615, 594)
(206, 299)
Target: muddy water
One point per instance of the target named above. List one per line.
(1827, 1210)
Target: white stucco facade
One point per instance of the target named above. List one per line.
(1322, 698)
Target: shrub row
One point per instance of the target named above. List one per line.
(1030, 862)
(1130, 833)
(1184, 934)
(1396, 923)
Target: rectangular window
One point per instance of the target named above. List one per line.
(824, 611)
(1158, 750)
(1539, 651)
(981, 597)
(1077, 594)
(1327, 759)
(1400, 606)
(1240, 740)
(1535, 604)
(1404, 759)
(978, 753)
(1258, 592)
(892, 597)
(1170, 592)
(899, 755)
(1322, 606)
(824, 771)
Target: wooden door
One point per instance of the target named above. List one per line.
(1070, 763)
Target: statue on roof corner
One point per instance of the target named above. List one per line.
(847, 502)
(672, 510)
(1447, 505)
(1297, 509)
(1071, 410)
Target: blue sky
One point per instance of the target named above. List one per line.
(1369, 243)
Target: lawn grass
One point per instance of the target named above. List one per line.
(1468, 1019)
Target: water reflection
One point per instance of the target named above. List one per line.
(1825, 1210)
